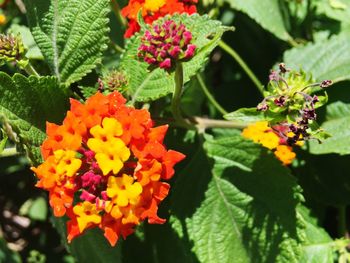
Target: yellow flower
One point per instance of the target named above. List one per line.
(153, 5)
(285, 154)
(86, 214)
(111, 152)
(123, 190)
(3, 19)
(269, 140)
(67, 163)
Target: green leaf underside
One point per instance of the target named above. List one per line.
(265, 13)
(146, 85)
(318, 245)
(27, 103)
(337, 124)
(248, 211)
(338, 10)
(72, 35)
(328, 59)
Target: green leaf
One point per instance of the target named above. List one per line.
(328, 59)
(245, 115)
(90, 247)
(245, 210)
(336, 9)
(318, 245)
(38, 209)
(145, 85)
(72, 35)
(265, 13)
(26, 104)
(337, 124)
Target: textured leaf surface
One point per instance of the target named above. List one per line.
(335, 9)
(27, 103)
(71, 34)
(147, 85)
(245, 210)
(318, 246)
(328, 59)
(265, 13)
(337, 124)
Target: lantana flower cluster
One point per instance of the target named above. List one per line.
(154, 9)
(105, 167)
(165, 43)
(271, 138)
(290, 102)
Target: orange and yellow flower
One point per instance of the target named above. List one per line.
(154, 9)
(261, 133)
(105, 167)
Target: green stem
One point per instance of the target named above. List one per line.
(243, 65)
(342, 227)
(30, 70)
(176, 101)
(116, 47)
(116, 11)
(209, 96)
(9, 152)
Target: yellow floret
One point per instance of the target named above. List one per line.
(285, 154)
(153, 5)
(86, 215)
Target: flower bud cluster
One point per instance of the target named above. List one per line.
(288, 100)
(165, 43)
(12, 49)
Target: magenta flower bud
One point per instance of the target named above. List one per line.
(86, 196)
(165, 64)
(190, 51)
(166, 43)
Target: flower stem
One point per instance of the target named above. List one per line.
(243, 65)
(342, 227)
(210, 96)
(31, 70)
(116, 11)
(176, 101)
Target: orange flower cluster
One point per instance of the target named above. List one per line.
(105, 166)
(154, 9)
(273, 139)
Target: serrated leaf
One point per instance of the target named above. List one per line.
(72, 35)
(265, 13)
(27, 103)
(337, 124)
(245, 115)
(248, 210)
(145, 85)
(328, 59)
(318, 245)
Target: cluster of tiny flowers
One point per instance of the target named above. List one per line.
(166, 43)
(154, 9)
(105, 167)
(261, 133)
(11, 49)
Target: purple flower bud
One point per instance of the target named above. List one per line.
(280, 102)
(262, 106)
(309, 114)
(274, 76)
(326, 83)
